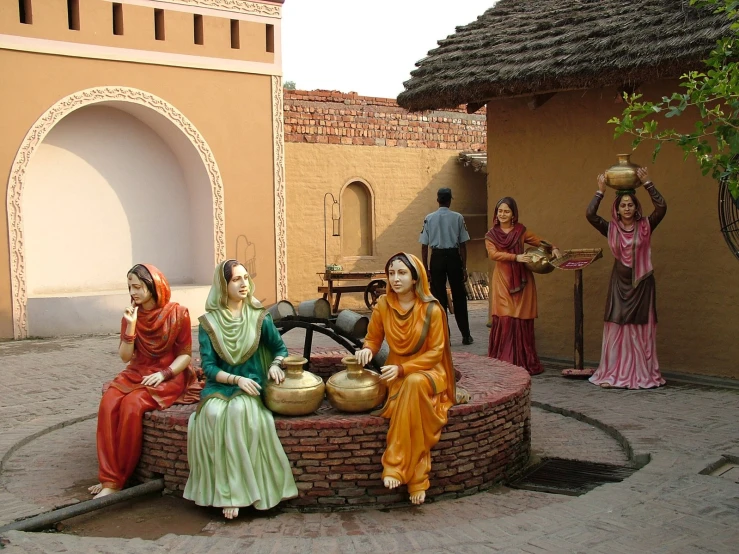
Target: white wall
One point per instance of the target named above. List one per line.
(104, 191)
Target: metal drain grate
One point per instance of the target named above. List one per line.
(570, 477)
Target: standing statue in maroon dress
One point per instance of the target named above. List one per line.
(629, 353)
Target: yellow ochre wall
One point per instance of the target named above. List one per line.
(404, 182)
(232, 111)
(548, 160)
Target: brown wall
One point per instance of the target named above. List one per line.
(231, 110)
(404, 182)
(548, 160)
(50, 21)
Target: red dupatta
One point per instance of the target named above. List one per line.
(162, 334)
(512, 243)
(632, 248)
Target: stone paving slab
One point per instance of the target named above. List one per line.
(664, 507)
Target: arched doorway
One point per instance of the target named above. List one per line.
(109, 178)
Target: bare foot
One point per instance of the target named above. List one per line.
(418, 498)
(390, 483)
(230, 513)
(105, 492)
(605, 386)
(95, 488)
(462, 396)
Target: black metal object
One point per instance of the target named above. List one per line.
(374, 290)
(48, 519)
(728, 216)
(323, 326)
(570, 477)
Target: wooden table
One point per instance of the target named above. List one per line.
(336, 285)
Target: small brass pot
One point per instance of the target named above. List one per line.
(541, 256)
(622, 176)
(301, 392)
(355, 389)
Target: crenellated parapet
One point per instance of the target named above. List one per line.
(229, 35)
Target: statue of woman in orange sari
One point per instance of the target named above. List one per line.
(419, 374)
(156, 342)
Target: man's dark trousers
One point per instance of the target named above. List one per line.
(447, 263)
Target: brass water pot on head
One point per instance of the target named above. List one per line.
(622, 176)
(541, 257)
(355, 389)
(301, 392)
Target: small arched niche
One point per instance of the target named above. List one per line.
(357, 220)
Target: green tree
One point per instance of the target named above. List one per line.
(712, 98)
(289, 85)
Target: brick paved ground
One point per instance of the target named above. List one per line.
(665, 507)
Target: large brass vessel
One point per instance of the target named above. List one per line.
(541, 257)
(622, 176)
(355, 389)
(301, 392)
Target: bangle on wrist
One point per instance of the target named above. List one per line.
(167, 373)
(125, 337)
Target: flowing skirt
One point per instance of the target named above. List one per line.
(512, 340)
(629, 356)
(235, 456)
(417, 417)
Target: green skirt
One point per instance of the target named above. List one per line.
(235, 456)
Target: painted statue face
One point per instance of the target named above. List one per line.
(400, 278)
(138, 290)
(238, 286)
(505, 214)
(627, 208)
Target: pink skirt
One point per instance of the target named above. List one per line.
(629, 356)
(512, 340)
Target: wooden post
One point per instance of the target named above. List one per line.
(579, 339)
(308, 344)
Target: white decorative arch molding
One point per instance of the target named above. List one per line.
(278, 137)
(35, 137)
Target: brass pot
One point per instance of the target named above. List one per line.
(541, 256)
(622, 176)
(301, 392)
(355, 389)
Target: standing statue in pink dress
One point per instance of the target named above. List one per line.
(629, 353)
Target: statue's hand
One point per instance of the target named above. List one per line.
(249, 386)
(153, 380)
(364, 356)
(556, 252)
(522, 258)
(276, 373)
(602, 182)
(131, 313)
(643, 174)
(389, 373)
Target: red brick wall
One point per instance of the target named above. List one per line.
(332, 117)
(336, 458)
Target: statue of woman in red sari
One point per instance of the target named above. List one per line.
(513, 290)
(629, 354)
(156, 342)
(419, 373)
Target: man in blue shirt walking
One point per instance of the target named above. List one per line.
(445, 232)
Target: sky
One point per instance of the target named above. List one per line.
(369, 47)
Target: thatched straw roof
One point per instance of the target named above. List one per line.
(523, 47)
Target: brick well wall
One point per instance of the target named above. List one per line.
(336, 458)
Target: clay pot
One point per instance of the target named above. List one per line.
(541, 256)
(622, 176)
(301, 392)
(355, 389)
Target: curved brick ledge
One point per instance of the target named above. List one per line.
(336, 457)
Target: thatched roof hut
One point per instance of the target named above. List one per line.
(524, 47)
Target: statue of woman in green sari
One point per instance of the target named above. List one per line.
(235, 456)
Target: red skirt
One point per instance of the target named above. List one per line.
(512, 340)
